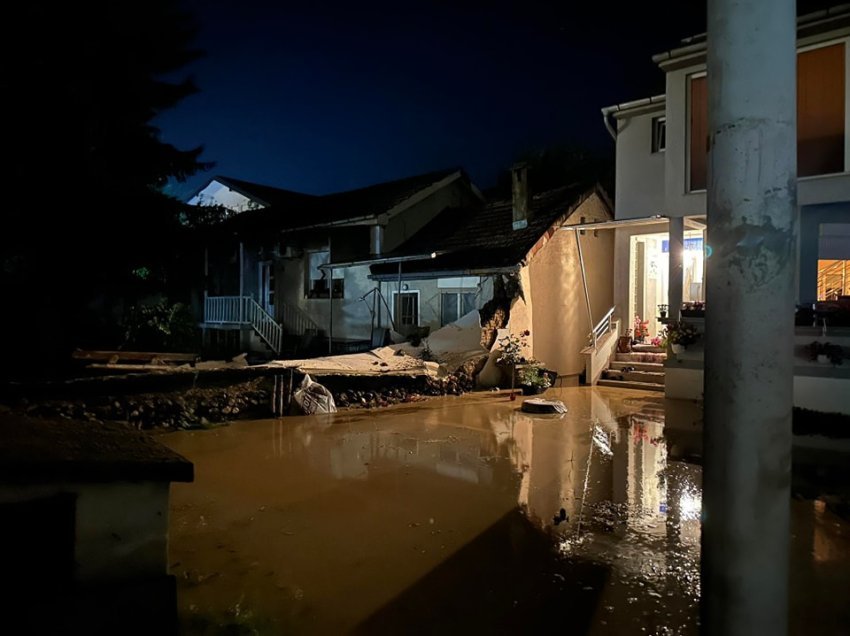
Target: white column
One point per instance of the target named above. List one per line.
(750, 316)
(675, 255)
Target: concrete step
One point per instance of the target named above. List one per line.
(647, 386)
(651, 377)
(641, 357)
(638, 366)
(648, 348)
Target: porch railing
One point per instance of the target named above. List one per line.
(244, 310)
(296, 322)
(602, 327)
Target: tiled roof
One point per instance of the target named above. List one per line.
(483, 238)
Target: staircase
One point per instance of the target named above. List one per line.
(244, 310)
(643, 368)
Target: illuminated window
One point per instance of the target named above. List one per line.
(833, 279)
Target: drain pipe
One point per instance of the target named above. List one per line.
(606, 112)
(586, 292)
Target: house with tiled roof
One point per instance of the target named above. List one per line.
(267, 285)
(456, 263)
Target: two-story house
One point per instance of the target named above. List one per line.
(660, 203)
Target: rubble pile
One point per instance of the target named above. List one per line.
(187, 409)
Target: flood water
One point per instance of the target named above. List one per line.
(446, 517)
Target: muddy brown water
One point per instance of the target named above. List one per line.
(445, 517)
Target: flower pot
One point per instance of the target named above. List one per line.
(663, 314)
(532, 389)
(677, 348)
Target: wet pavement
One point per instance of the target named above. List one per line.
(466, 515)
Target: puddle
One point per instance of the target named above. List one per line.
(465, 514)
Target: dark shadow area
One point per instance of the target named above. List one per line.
(507, 581)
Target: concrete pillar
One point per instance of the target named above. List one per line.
(675, 254)
(750, 316)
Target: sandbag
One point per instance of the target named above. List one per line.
(311, 398)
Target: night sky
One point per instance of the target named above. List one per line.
(321, 97)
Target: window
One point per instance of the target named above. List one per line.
(659, 134)
(319, 283)
(406, 309)
(454, 304)
(820, 116)
(820, 111)
(698, 133)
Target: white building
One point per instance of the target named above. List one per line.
(660, 204)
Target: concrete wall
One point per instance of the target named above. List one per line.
(639, 172)
(121, 528)
(559, 322)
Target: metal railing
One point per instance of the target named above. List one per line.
(832, 281)
(244, 310)
(296, 322)
(602, 327)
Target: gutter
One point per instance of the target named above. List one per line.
(646, 102)
(448, 273)
(382, 260)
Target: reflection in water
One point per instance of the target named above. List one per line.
(366, 521)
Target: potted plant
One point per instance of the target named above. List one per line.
(695, 309)
(826, 353)
(680, 334)
(533, 379)
(641, 329)
(512, 347)
(662, 311)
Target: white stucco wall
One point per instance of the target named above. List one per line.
(121, 528)
(430, 295)
(639, 171)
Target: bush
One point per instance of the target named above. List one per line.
(160, 327)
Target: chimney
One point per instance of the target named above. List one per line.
(376, 239)
(519, 190)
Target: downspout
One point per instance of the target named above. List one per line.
(611, 130)
(586, 292)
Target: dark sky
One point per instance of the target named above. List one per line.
(326, 96)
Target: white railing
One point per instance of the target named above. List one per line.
(223, 309)
(263, 323)
(296, 322)
(244, 310)
(602, 327)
